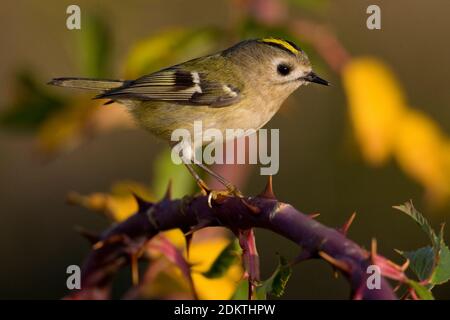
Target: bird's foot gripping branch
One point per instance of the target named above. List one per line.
(124, 243)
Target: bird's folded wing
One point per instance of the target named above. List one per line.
(178, 86)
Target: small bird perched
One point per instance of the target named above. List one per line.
(241, 87)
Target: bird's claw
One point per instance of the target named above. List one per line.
(219, 195)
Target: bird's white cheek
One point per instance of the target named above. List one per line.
(303, 83)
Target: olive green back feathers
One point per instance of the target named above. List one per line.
(215, 80)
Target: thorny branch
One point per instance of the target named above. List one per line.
(118, 246)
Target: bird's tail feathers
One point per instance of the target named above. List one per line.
(86, 83)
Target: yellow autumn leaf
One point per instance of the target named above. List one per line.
(167, 284)
(376, 104)
(147, 52)
(421, 151)
(202, 255)
(65, 129)
(176, 237)
(385, 125)
(118, 205)
(83, 118)
(204, 250)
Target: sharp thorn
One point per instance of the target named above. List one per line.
(405, 266)
(188, 239)
(197, 227)
(347, 224)
(111, 240)
(98, 245)
(441, 230)
(373, 248)
(168, 195)
(268, 191)
(314, 215)
(134, 269)
(108, 102)
(334, 262)
(142, 204)
(253, 209)
(397, 287)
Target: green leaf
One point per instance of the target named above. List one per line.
(423, 292)
(168, 47)
(164, 170)
(94, 46)
(229, 256)
(421, 261)
(409, 209)
(241, 292)
(441, 272)
(276, 284)
(32, 105)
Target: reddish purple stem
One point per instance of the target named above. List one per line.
(315, 239)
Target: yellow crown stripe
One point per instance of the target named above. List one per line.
(282, 43)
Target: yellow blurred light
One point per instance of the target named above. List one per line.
(421, 152)
(376, 104)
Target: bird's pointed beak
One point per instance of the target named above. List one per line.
(312, 77)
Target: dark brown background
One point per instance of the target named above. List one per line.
(320, 170)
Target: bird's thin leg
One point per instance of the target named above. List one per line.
(202, 184)
(230, 187)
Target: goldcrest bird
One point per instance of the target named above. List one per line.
(241, 87)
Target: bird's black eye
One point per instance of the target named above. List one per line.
(283, 69)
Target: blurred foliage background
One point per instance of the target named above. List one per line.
(376, 138)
